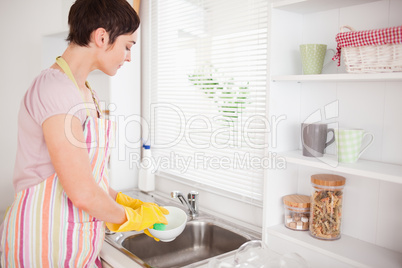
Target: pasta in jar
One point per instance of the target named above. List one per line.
(326, 206)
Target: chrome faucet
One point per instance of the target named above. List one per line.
(191, 203)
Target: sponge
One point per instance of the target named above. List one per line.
(159, 226)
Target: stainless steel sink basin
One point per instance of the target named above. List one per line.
(201, 239)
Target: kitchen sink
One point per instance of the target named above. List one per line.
(201, 239)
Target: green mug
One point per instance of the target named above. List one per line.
(348, 143)
(312, 56)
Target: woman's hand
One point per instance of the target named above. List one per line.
(139, 219)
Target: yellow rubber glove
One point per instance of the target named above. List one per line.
(139, 219)
(149, 234)
(128, 201)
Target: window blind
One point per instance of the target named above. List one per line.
(208, 76)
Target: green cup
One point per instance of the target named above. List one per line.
(348, 143)
(312, 56)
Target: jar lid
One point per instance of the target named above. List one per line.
(297, 201)
(328, 180)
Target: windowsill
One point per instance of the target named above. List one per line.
(210, 189)
(243, 212)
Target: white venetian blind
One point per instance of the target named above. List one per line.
(208, 92)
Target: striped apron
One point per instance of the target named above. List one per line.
(43, 228)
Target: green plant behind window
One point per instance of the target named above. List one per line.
(229, 96)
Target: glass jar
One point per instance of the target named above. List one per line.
(297, 211)
(326, 206)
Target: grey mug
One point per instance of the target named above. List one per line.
(314, 139)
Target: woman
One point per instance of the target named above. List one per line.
(60, 179)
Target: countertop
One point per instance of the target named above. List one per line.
(115, 258)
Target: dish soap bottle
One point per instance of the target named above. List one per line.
(146, 176)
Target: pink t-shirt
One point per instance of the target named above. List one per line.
(51, 93)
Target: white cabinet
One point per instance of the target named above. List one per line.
(371, 221)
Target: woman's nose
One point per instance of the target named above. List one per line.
(128, 56)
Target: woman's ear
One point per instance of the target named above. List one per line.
(100, 37)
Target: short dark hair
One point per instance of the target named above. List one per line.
(117, 17)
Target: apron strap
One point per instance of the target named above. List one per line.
(94, 99)
(64, 66)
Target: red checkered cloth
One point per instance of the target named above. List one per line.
(392, 35)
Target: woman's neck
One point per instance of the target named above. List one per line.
(81, 62)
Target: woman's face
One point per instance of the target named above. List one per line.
(117, 53)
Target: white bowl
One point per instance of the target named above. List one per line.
(177, 220)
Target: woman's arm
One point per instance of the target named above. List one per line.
(65, 139)
(112, 193)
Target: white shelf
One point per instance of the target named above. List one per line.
(321, 27)
(370, 169)
(347, 249)
(376, 77)
(309, 6)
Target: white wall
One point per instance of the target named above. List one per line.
(22, 24)
(125, 96)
